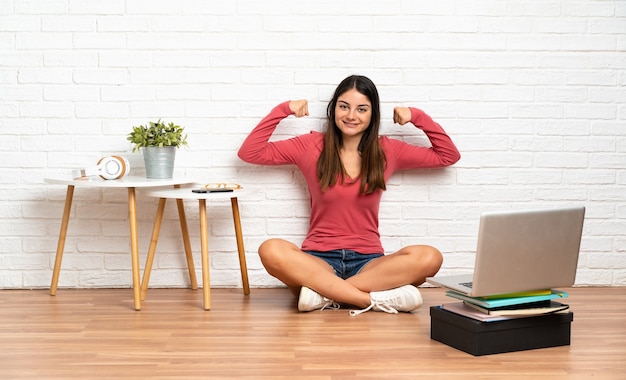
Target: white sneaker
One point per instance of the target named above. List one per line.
(405, 298)
(311, 300)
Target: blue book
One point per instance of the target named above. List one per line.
(499, 302)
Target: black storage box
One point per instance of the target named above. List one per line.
(484, 338)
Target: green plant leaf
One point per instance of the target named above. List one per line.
(157, 134)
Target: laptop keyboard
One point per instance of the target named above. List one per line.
(467, 284)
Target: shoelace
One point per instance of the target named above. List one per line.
(379, 305)
(330, 304)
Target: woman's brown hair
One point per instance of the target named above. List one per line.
(373, 160)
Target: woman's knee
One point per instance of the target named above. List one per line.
(429, 258)
(273, 250)
(434, 259)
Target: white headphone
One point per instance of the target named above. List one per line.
(110, 167)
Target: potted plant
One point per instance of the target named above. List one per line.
(159, 142)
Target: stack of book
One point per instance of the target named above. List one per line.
(507, 306)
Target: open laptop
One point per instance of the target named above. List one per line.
(521, 251)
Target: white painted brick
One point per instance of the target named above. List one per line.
(99, 279)
(127, 93)
(95, 7)
(8, 76)
(561, 194)
(602, 25)
(614, 161)
(481, 111)
(594, 111)
(99, 40)
(169, 41)
(481, 8)
(230, 93)
(608, 60)
(275, 7)
(154, 7)
(201, 7)
(531, 93)
(621, 145)
(155, 76)
(309, 24)
(561, 94)
(455, 60)
(39, 41)
(211, 109)
(589, 43)
(21, 93)
(72, 127)
(222, 75)
(560, 160)
(399, 23)
(481, 77)
(102, 110)
(563, 61)
(535, 8)
(563, 128)
(7, 41)
(161, 109)
(46, 110)
(10, 279)
(592, 78)
(537, 177)
(71, 93)
(41, 7)
(532, 111)
(67, 24)
(20, 23)
(581, 144)
(453, 25)
(589, 8)
(45, 76)
(172, 23)
(269, 41)
(100, 76)
(183, 59)
(533, 144)
(234, 23)
(123, 24)
(70, 59)
(46, 144)
(538, 77)
(607, 95)
(566, 25)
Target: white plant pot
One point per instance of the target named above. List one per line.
(159, 161)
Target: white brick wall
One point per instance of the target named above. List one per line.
(532, 92)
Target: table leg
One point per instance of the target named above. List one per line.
(204, 245)
(242, 252)
(134, 246)
(188, 253)
(62, 235)
(152, 249)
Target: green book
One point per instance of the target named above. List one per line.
(499, 302)
(525, 309)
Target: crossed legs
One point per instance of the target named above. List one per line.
(408, 266)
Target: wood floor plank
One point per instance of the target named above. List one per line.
(96, 334)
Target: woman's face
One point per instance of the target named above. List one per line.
(353, 113)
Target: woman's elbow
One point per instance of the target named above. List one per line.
(244, 155)
(455, 158)
(450, 159)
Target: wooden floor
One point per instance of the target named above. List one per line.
(95, 333)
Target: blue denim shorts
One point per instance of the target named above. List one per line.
(345, 262)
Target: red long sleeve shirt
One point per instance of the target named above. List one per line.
(341, 217)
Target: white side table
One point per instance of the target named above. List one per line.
(131, 183)
(185, 193)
